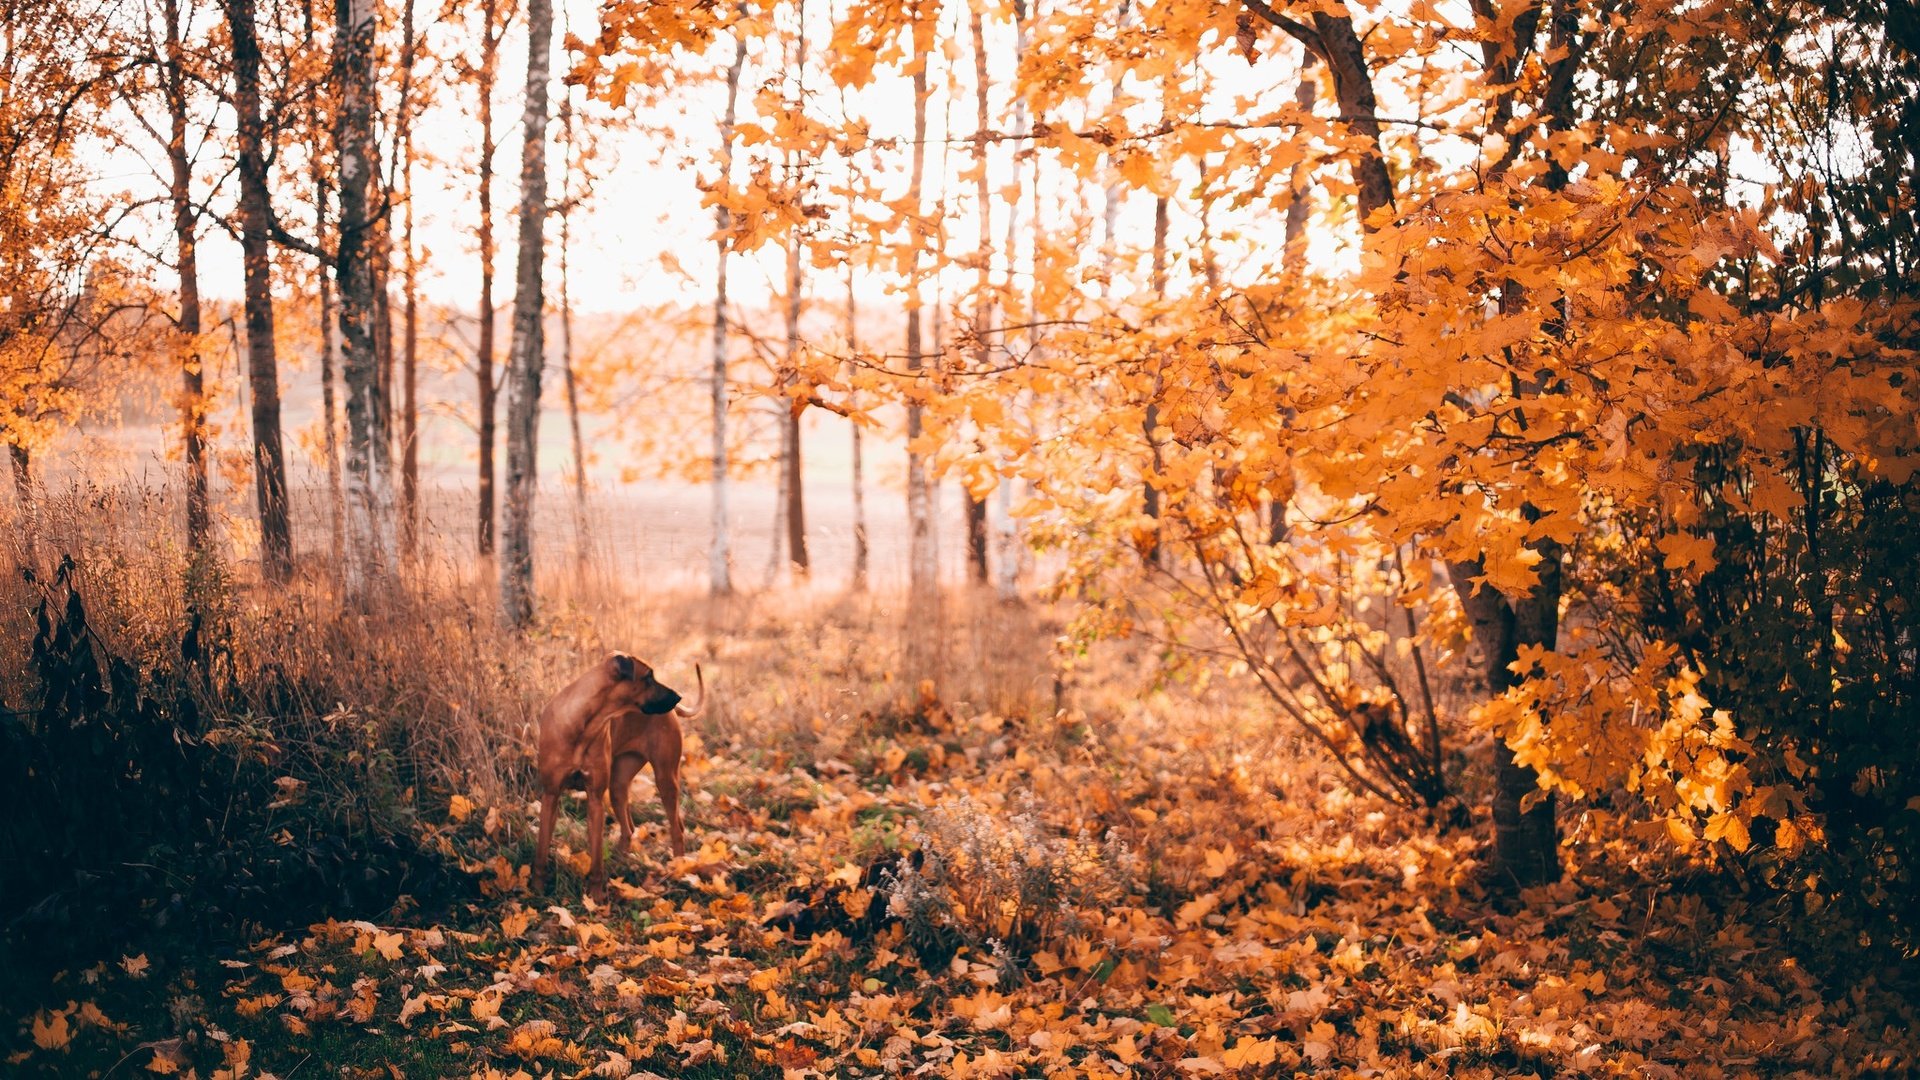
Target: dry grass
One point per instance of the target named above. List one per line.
(795, 673)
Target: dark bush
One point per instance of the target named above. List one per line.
(130, 806)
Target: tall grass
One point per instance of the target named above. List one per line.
(343, 724)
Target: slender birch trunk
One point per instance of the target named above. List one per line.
(1300, 181)
(566, 333)
(976, 505)
(369, 496)
(1293, 264)
(719, 553)
(256, 240)
(861, 555)
(329, 368)
(527, 353)
(1007, 530)
(923, 573)
(185, 231)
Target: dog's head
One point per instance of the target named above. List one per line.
(635, 679)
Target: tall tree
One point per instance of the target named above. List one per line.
(569, 162)
(494, 17)
(48, 219)
(329, 358)
(923, 565)
(410, 294)
(1506, 624)
(1293, 260)
(1007, 572)
(256, 240)
(186, 228)
(527, 353)
(369, 496)
(976, 503)
(793, 513)
(719, 553)
(861, 555)
(793, 478)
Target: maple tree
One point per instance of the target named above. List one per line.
(1518, 244)
(52, 297)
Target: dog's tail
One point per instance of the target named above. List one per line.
(688, 712)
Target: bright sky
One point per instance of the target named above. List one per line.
(642, 238)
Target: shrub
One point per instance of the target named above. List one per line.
(130, 801)
(1004, 884)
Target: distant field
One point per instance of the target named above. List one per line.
(658, 527)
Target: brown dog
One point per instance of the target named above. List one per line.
(595, 734)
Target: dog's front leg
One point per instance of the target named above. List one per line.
(543, 851)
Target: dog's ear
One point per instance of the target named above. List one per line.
(620, 667)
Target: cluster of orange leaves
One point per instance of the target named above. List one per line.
(1515, 354)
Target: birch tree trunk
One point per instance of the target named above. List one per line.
(719, 553)
(256, 239)
(185, 231)
(1293, 261)
(923, 564)
(566, 333)
(369, 495)
(976, 505)
(861, 555)
(329, 367)
(1007, 539)
(526, 356)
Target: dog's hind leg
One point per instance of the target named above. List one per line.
(666, 777)
(625, 768)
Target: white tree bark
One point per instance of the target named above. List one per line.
(369, 496)
(526, 355)
(720, 554)
(923, 557)
(1007, 546)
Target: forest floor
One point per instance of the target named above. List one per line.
(1144, 883)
